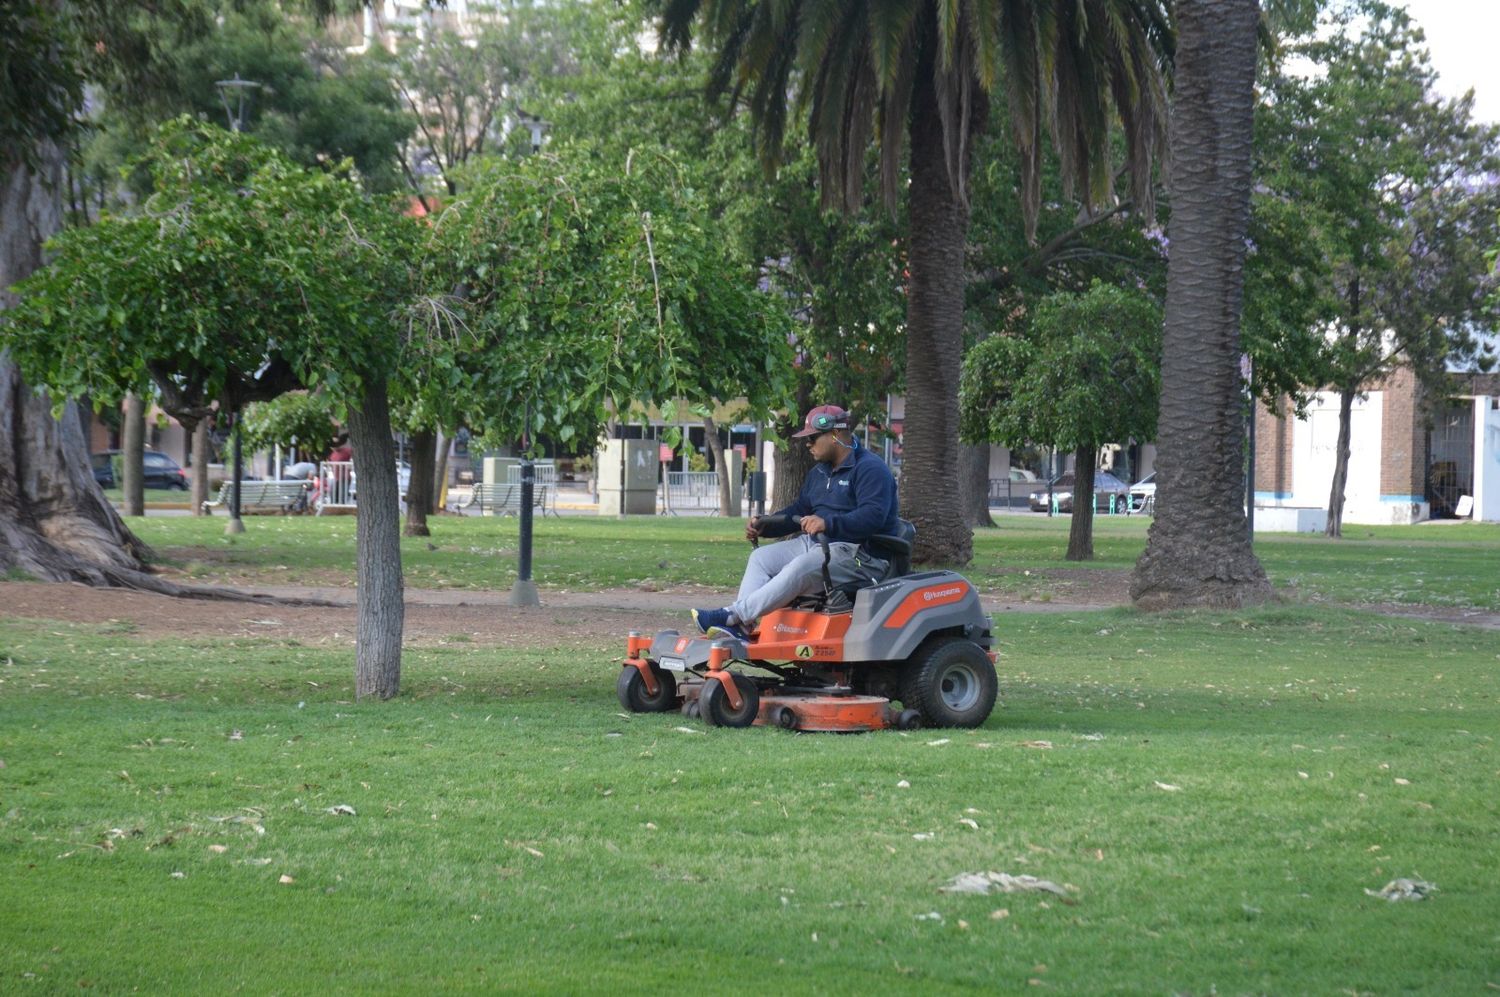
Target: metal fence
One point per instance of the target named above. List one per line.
(685, 490)
(1008, 494)
(335, 485)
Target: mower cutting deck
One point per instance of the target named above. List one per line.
(922, 639)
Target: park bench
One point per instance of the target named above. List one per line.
(505, 500)
(262, 496)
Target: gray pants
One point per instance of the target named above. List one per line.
(780, 572)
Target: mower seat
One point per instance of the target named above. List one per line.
(895, 549)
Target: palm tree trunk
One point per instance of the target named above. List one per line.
(931, 496)
(1081, 524)
(1198, 549)
(380, 613)
(1335, 525)
(791, 458)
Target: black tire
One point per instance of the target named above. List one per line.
(713, 703)
(631, 688)
(950, 682)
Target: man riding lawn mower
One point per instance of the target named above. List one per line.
(834, 615)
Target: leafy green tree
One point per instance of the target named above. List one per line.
(1396, 189)
(303, 420)
(587, 289)
(1085, 373)
(1198, 549)
(245, 276)
(50, 48)
(920, 76)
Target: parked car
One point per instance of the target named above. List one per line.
(1021, 474)
(403, 479)
(1107, 487)
(1143, 493)
(158, 470)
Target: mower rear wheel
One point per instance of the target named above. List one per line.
(951, 682)
(714, 708)
(631, 688)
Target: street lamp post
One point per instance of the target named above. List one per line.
(237, 89)
(524, 593)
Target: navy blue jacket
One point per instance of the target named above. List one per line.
(857, 499)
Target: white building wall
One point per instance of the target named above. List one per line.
(1314, 440)
(1487, 458)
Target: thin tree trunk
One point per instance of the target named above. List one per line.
(199, 476)
(1081, 525)
(380, 613)
(1335, 525)
(930, 493)
(132, 455)
(419, 488)
(721, 464)
(1198, 550)
(974, 464)
(439, 471)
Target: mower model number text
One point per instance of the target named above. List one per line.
(673, 664)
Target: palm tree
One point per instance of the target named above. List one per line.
(1198, 551)
(920, 74)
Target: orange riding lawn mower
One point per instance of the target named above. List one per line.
(836, 659)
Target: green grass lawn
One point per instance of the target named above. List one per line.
(1450, 565)
(1216, 790)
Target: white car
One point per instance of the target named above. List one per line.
(1143, 494)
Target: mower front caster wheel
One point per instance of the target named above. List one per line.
(950, 682)
(634, 696)
(714, 708)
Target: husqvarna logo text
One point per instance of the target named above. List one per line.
(932, 594)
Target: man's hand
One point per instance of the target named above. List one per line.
(813, 525)
(752, 528)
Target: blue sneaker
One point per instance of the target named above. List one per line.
(707, 619)
(729, 630)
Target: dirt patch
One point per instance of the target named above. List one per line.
(431, 618)
(486, 618)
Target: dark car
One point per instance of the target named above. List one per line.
(1107, 489)
(159, 470)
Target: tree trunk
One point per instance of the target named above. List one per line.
(1198, 550)
(930, 492)
(439, 471)
(380, 612)
(419, 488)
(132, 455)
(1081, 525)
(1335, 524)
(199, 475)
(716, 446)
(791, 456)
(974, 476)
(54, 522)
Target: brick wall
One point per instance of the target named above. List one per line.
(1273, 449)
(1403, 437)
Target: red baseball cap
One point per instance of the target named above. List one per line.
(823, 419)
